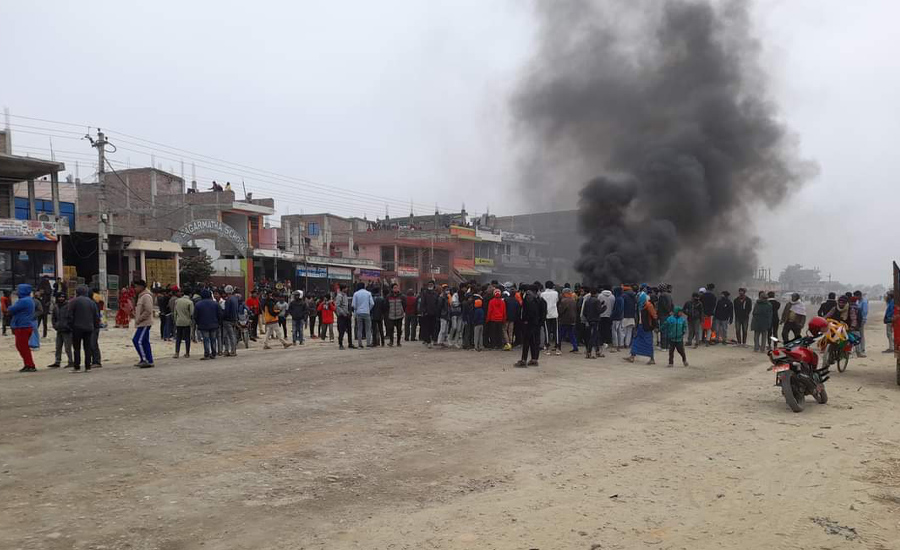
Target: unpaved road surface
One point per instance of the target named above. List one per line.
(413, 449)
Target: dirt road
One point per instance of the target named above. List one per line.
(413, 449)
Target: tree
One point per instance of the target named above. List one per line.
(196, 269)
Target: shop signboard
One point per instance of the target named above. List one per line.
(312, 271)
(32, 230)
(403, 271)
(340, 273)
(370, 273)
(487, 262)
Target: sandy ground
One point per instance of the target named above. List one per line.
(314, 448)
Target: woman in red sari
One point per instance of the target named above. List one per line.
(126, 307)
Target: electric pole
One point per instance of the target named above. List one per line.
(102, 215)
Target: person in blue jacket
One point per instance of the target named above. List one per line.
(208, 316)
(22, 325)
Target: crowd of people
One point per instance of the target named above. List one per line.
(636, 319)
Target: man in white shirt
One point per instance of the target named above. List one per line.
(551, 297)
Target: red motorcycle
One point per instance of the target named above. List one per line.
(796, 368)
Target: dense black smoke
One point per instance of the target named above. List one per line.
(661, 107)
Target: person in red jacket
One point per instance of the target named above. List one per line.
(496, 317)
(326, 309)
(411, 312)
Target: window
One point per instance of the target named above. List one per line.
(312, 229)
(66, 209)
(523, 251)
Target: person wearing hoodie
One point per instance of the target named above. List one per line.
(675, 329)
(567, 316)
(59, 318)
(607, 303)
(724, 316)
(496, 317)
(207, 315)
(83, 319)
(395, 303)
(230, 316)
(761, 323)
(429, 311)
(21, 322)
(743, 307)
(298, 312)
(143, 322)
(183, 316)
(533, 313)
(551, 298)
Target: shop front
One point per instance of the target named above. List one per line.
(29, 250)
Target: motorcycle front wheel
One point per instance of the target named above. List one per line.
(821, 397)
(793, 395)
(843, 360)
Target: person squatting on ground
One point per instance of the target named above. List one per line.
(143, 322)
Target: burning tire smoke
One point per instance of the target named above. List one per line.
(661, 106)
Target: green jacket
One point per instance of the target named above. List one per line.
(675, 328)
(762, 316)
(184, 311)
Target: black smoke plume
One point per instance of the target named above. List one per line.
(661, 107)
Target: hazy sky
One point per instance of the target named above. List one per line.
(408, 100)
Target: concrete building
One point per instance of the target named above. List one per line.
(30, 244)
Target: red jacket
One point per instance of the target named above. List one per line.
(410, 305)
(327, 313)
(496, 310)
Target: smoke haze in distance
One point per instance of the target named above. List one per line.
(656, 112)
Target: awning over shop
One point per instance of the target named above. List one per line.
(155, 246)
(467, 271)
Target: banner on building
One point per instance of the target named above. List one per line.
(32, 230)
(369, 273)
(340, 273)
(487, 262)
(407, 271)
(312, 271)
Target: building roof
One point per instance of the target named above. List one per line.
(14, 168)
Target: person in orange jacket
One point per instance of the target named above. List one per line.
(496, 317)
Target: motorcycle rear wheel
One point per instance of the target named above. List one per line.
(794, 397)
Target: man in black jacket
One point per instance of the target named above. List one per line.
(428, 311)
(378, 313)
(827, 305)
(59, 316)
(84, 319)
(693, 308)
(533, 313)
(709, 300)
(743, 306)
(724, 317)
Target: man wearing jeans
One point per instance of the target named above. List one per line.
(183, 316)
(298, 312)
(59, 317)
(551, 297)
(229, 322)
(344, 317)
(362, 309)
(207, 314)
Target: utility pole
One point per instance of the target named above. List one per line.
(102, 214)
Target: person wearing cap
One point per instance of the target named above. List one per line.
(143, 321)
(230, 315)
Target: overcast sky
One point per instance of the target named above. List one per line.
(408, 100)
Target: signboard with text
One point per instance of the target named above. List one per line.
(487, 262)
(407, 271)
(312, 271)
(340, 273)
(32, 230)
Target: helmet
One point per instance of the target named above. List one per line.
(817, 325)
